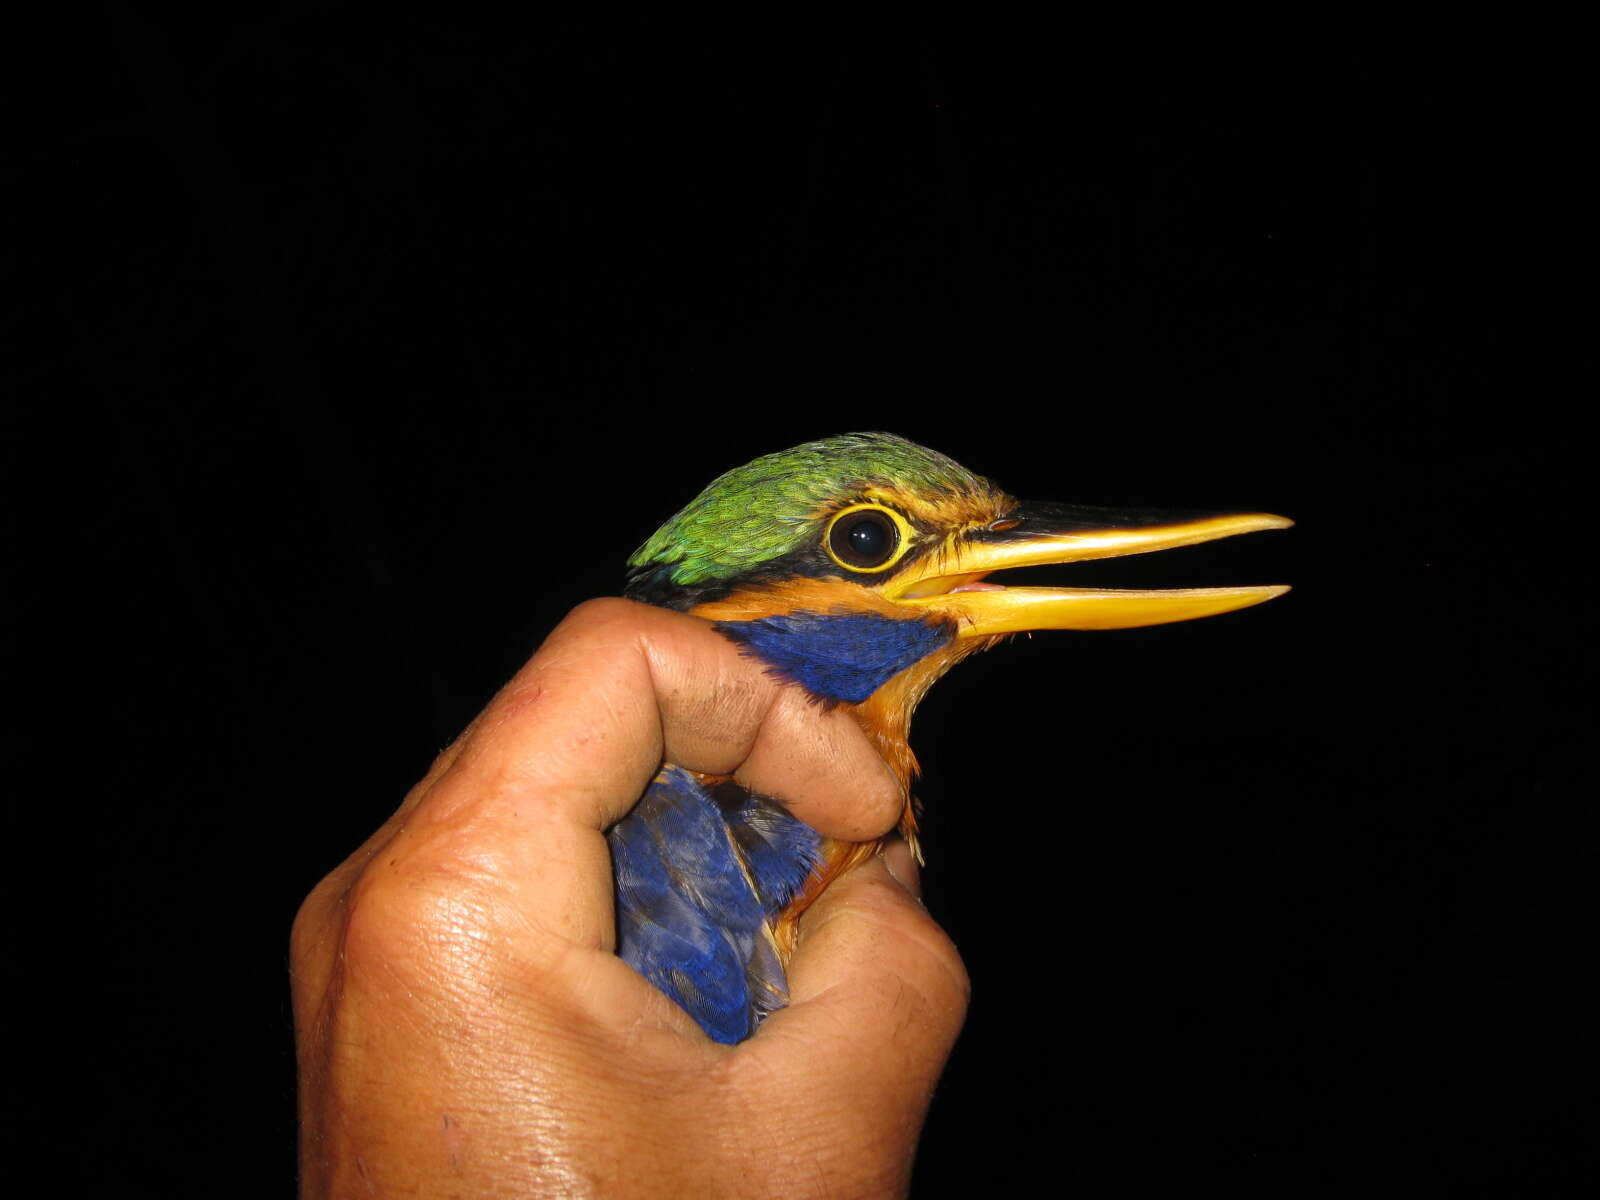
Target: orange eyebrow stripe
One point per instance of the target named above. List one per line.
(947, 510)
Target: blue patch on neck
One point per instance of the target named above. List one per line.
(838, 656)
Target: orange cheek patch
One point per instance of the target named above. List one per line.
(792, 595)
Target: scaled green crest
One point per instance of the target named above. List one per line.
(765, 509)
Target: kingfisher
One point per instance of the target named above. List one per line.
(857, 568)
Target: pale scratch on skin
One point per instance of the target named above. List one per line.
(452, 1139)
(361, 1168)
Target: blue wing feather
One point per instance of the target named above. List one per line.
(700, 873)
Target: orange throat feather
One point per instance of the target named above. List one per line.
(885, 717)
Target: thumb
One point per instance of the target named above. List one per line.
(877, 993)
(868, 935)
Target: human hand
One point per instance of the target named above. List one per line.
(464, 1026)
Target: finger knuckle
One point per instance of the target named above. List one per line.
(416, 917)
(602, 611)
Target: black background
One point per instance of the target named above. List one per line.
(402, 335)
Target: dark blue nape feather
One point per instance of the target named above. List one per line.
(699, 874)
(838, 656)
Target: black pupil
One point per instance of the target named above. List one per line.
(867, 540)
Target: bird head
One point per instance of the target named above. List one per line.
(859, 567)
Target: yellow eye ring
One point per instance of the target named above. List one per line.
(867, 539)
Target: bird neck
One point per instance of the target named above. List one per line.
(852, 648)
(886, 715)
(848, 646)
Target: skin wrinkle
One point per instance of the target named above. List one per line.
(425, 936)
(748, 1094)
(934, 946)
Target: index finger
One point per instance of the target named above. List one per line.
(570, 743)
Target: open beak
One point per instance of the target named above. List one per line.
(952, 581)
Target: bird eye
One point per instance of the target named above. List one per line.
(866, 538)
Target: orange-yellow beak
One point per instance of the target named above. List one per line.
(951, 580)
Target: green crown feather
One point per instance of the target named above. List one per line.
(767, 508)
